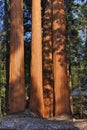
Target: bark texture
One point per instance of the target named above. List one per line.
(62, 101)
(47, 60)
(16, 80)
(36, 90)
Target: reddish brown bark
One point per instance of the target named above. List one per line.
(62, 101)
(47, 60)
(36, 90)
(16, 80)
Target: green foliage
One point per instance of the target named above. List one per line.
(3, 53)
(2, 101)
(2, 64)
(75, 39)
(76, 16)
(79, 106)
(2, 77)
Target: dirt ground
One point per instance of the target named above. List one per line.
(29, 121)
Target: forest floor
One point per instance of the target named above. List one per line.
(29, 121)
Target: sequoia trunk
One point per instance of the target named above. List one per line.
(36, 90)
(16, 81)
(62, 101)
(47, 60)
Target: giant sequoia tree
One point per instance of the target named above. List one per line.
(36, 90)
(61, 92)
(16, 80)
(44, 97)
(47, 59)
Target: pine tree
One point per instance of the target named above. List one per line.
(83, 25)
